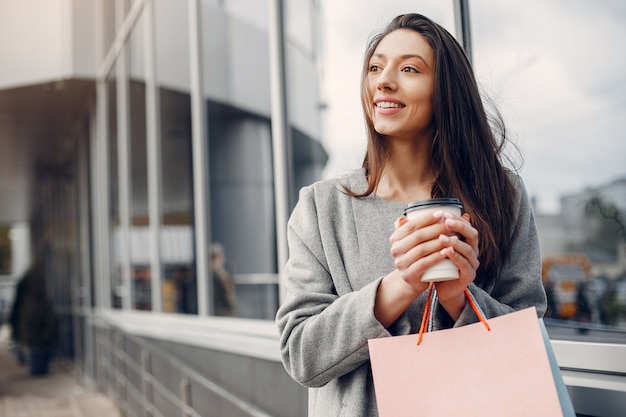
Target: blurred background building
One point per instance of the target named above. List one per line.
(150, 154)
(135, 136)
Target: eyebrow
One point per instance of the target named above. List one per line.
(405, 56)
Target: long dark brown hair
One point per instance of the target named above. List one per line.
(467, 147)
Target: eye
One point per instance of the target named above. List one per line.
(374, 68)
(410, 69)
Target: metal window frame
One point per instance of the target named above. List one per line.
(123, 162)
(116, 59)
(100, 181)
(153, 149)
(280, 130)
(199, 140)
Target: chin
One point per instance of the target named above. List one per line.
(385, 130)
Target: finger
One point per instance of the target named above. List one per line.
(413, 271)
(453, 246)
(401, 221)
(404, 257)
(467, 272)
(462, 227)
(407, 238)
(457, 244)
(418, 229)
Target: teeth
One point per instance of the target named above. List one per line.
(388, 105)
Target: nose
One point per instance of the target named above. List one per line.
(386, 80)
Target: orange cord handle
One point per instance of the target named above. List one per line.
(426, 316)
(476, 309)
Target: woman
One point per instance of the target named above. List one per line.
(355, 265)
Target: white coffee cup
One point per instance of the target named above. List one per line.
(445, 270)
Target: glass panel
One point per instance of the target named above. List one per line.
(179, 286)
(242, 214)
(108, 23)
(141, 274)
(6, 251)
(240, 159)
(553, 97)
(6, 268)
(252, 12)
(117, 289)
(303, 94)
(301, 24)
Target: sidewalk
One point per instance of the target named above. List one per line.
(58, 394)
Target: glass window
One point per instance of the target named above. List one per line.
(117, 288)
(243, 252)
(299, 23)
(139, 244)
(179, 283)
(108, 23)
(529, 57)
(136, 243)
(241, 193)
(304, 102)
(6, 250)
(252, 12)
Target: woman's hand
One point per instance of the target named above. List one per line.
(419, 244)
(460, 245)
(415, 247)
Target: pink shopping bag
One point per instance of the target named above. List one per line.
(467, 371)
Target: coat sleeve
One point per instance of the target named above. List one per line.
(323, 336)
(519, 284)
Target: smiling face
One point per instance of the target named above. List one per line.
(400, 83)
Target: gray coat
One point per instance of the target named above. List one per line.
(339, 252)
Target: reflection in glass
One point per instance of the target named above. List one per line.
(179, 283)
(224, 297)
(139, 245)
(241, 193)
(114, 197)
(253, 12)
(308, 156)
(108, 23)
(177, 226)
(242, 207)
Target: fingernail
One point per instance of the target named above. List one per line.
(450, 222)
(438, 214)
(444, 238)
(447, 251)
(402, 221)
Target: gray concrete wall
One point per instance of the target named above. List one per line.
(144, 373)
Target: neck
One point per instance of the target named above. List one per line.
(409, 175)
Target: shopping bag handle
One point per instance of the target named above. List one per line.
(431, 300)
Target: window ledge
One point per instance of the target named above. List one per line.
(591, 356)
(251, 338)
